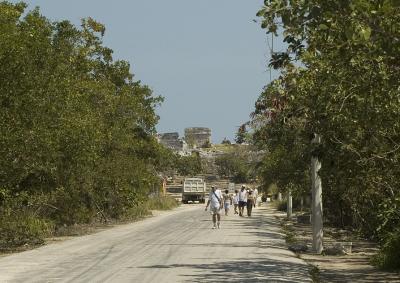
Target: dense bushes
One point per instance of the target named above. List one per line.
(389, 256)
(282, 205)
(161, 203)
(23, 220)
(23, 229)
(340, 79)
(189, 165)
(76, 142)
(236, 165)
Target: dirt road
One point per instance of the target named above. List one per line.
(176, 246)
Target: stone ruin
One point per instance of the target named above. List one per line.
(172, 141)
(198, 137)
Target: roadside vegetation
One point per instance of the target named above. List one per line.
(236, 162)
(315, 274)
(234, 166)
(188, 165)
(340, 80)
(77, 130)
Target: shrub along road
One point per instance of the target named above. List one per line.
(175, 246)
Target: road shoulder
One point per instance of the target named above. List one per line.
(81, 230)
(335, 265)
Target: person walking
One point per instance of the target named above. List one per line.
(215, 202)
(250, 202)
(227, 201)
(255, 192)
(235, 201)
(242, 199)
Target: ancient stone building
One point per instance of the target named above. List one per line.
(172, 141)
(198, 136)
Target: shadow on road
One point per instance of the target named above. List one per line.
(270, 261)
(256, 270)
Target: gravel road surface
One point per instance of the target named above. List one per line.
(175, 246)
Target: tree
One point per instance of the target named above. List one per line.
(343, 86)
(241, 134)
(234, 166)
(76, 128)
(189, 165)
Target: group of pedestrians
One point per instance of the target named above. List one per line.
(218, 201)
(246, 198)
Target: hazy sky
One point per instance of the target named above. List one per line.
(207, 58)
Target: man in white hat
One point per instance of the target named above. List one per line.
(215, 199)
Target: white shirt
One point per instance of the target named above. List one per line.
(243, 195)
(214, 202)
(236, 198)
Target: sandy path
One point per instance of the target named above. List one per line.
(176, 246)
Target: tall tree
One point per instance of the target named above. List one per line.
(340, 79)
(241, 134)
(76, 128)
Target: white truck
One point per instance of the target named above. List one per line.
(194, 189)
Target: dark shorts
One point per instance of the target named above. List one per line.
(242, 203)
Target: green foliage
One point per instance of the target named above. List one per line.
(76, 129)
(388, 214)
(281, 205)
(154, 202)
(189, 165)
(136, 213)
(235, 166)
(242, 135)
(344, 86)
(289, 231)
(23, 229)
(23, 221)
(315, 274)
(161, 203)
(389, 256)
